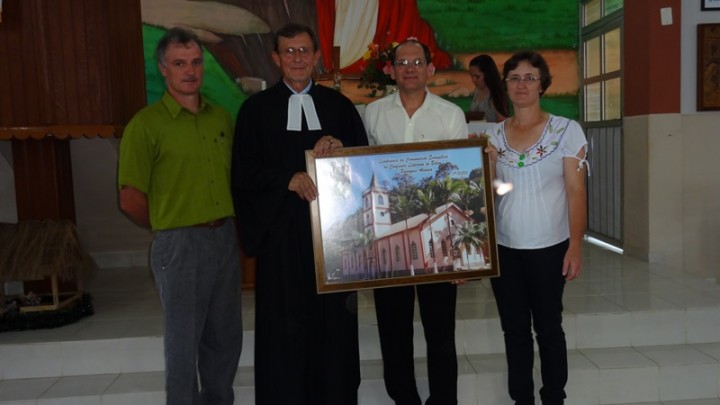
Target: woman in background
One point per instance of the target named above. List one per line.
(489, 95)
(539, 225)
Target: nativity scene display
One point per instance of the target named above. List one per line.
(416, 216)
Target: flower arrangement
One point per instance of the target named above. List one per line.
(376, 68)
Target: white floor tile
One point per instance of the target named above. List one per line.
(138, 383)
(658, 328)
(134, 398)
(603, 330)
(711, 349)
(24, 389)
(244, 377)
(247, 355)
(629, 385)
(80, 386)
(688, 382)
(482, 336)
(590, 305)
(100, 356)
(617, 358)
(643, 302)
(691, 298)
(30, 361)
(703, 325)
(72, 400)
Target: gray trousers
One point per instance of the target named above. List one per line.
(197, 273)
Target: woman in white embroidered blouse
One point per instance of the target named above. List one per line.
(540, 226)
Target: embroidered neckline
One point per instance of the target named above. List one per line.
(545, 146)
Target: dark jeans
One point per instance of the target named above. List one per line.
(395, 309)
(529, 295)
(197, 272)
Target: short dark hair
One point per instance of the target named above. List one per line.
(536, 60)
(174, 36)
(426, 50)
(291, 30)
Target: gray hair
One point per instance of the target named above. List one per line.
(174, 36)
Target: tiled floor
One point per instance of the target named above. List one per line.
(625, 321)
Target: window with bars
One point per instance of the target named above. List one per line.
(601, 100)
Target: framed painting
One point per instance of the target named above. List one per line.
(403, 214)
(708, 67)
(708, 5)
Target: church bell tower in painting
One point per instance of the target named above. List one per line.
(376, 208)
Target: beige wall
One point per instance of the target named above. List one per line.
(672, 192)
(701, 194)
(106, 233)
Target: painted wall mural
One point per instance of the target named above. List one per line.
(238, 38)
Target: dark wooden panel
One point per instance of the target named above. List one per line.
(71, 62)
(34, 96)
(127, 75)
(43, 179)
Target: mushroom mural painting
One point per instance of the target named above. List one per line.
(237, 35)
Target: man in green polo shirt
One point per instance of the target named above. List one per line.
(174, 178)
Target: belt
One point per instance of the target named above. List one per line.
(212, 224)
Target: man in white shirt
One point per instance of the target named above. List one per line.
(413, 114)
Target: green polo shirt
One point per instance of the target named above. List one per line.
(180, 160)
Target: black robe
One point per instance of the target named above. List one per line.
(306, 344)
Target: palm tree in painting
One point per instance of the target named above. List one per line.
(403, 208)
(470, 234)
(481, 235)
(427, 203)
(464, 195)
(467, 237)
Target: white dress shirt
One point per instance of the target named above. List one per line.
(387, 122)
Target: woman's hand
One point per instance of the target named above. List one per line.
(492, 154)
(572, 263)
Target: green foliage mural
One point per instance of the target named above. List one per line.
(490, 25)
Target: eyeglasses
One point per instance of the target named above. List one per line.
(516, 79)
(290, 52)
(404, 63)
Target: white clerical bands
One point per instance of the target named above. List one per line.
(302, 103)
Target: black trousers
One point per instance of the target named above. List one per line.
(395, 309)
(529, 296)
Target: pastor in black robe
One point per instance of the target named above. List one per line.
(306, 344)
